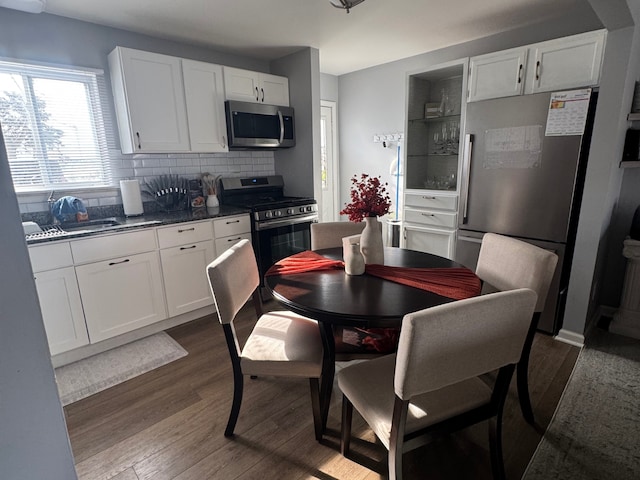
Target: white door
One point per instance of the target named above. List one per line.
(329, 203)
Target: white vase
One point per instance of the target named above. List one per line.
(353, 259)
(371, 242)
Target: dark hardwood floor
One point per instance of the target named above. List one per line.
(169, 423)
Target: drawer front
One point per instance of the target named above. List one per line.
(110, 246)
(224, 243)
(431, 217)
(441, 202)
(49, 257)
(227, 226)
(183, 233)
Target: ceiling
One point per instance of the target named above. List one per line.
(374, 32)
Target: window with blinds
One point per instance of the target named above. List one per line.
(53, 127)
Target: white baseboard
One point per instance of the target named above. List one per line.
(572, 338)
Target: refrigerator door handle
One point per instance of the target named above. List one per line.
(468, 146)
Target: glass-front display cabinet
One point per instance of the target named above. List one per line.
(434, 113)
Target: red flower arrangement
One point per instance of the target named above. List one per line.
(369, 198)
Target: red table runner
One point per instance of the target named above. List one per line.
(456, 283)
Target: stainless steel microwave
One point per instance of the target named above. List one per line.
(256, 125)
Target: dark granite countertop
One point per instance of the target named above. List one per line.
(143, 221)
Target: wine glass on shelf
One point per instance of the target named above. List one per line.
(437, 143)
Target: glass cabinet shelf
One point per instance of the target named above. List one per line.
(443, 118)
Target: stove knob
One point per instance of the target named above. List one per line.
(309, 209)
(290, 211)
(268, 215)
(301, 209)
(278, 213)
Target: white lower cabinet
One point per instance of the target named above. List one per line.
(61, 309)
(429, 240)
(96, 288)
(121, 294)
(59, 296)
(185, 277)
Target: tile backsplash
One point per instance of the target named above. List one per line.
(146, 166)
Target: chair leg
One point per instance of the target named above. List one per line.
(396, 438)
(314, 384)
(523, 372)
(345, 436)
(495, 447)
(238, 382)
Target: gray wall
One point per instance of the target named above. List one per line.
(373, 101)
(298, 165)
(33, 439)
(329, 87)
(603, 180)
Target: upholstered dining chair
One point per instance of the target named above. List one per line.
(329, 234)
(506, 263)
(432, 385)
(281, 343)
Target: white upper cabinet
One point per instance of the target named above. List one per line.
(167, 104)
(249, 86)
(204, 95)
(149, 100)
(564, 63)
(567, 63)
(499, 74)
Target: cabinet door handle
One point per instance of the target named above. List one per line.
(118, 263)
(139, 145)
(428, 214)
(187, 230)
(224, 142)
(233, 221)
(262, 90)
(187, 248)
(538, 70)
(428, 198)
(468, 156)
(520, 74)
(257, 95)
(234, 239)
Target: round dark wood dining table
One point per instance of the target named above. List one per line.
(334, 298)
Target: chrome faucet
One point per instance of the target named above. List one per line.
(50, 201)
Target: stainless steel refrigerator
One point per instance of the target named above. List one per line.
(523, 178)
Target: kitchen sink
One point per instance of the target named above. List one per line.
(90, 225)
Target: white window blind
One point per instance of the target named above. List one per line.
(53, 127)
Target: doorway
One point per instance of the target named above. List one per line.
(329, 201)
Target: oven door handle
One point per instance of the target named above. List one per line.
(283, 222)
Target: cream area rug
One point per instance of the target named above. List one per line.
(595, 431)
(99, 372)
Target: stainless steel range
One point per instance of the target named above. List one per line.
(280, 225)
